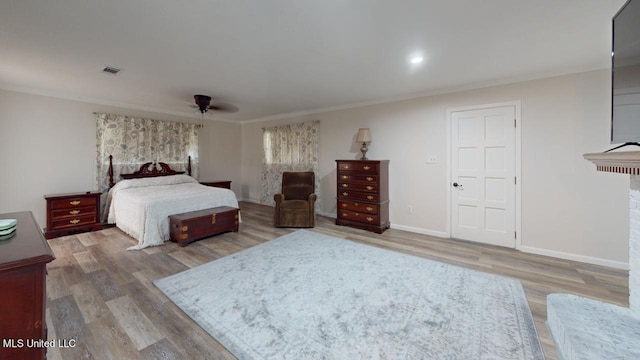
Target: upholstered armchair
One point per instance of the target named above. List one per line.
(295, 206)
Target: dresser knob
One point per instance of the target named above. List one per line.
(369, 187)
(74, 221)
(184, 228)
(345, 194)
(370, 197)
(369, 208)
(74, 212)
(345, 185)
(344, 205)
(75, 202)
(369, 178)
(369, 218)
(366, 167)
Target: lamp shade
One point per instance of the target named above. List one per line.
(364, 135)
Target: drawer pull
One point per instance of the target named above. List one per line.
(345, 177)
(369, 187)
(345, 185)
(366, 167)
(369, 208)
(370, 197)
(344, 205)
(345, 214)
(213, 219)
(345, 194)
(75, 202)
(184, 228)
(235, 216)
(369, 178)
(346, 166)
(369, 218)
(74, 221)
(184, 236)
(74, 212)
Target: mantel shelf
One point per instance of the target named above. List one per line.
(623, 162)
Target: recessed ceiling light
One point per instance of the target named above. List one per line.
(417, 60)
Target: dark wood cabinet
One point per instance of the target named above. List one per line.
(72, 213)
(363, 194)
(23, 259)
(219, 183)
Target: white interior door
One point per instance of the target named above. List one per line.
(483, 194)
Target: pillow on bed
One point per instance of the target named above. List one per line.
(153, 181)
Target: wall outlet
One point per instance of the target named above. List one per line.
(432, 159)
(410, 209)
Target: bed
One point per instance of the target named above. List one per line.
(141, 203)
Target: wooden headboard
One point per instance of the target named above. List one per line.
(149, 169)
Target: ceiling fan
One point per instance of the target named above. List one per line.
(203, 103)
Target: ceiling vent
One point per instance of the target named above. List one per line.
(111, 70)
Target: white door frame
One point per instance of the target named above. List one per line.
(518, 158)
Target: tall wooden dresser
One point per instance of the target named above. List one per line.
(23, 260)
(363, 194)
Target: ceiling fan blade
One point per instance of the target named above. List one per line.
(223, 107)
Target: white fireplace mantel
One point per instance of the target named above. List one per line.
(583, 328)
(624, 162)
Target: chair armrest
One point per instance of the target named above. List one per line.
(278, 198)
(312, 201)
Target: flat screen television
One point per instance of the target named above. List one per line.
(625, 74)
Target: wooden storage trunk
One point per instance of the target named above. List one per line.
(191, 226)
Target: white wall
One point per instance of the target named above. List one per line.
(47, 146)
(568, 209)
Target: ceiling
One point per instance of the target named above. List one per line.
(274, 57)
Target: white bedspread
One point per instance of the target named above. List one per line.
(141, 207)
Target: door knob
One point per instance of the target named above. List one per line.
(456, 185)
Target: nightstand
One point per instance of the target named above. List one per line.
(221, 183)
(72, 213)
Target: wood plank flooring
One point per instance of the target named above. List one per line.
(101, 294)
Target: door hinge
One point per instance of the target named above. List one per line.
(515, 180)
(515, 234)
(514, 123)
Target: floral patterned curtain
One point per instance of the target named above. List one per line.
(292, 147)
(135, 141)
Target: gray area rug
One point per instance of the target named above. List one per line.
(311, 296)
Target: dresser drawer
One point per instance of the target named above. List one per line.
(75, 211)
(73, 202)
(358, 216)
(348, 177)
(73, 221)
(358, 166)
(357, 206)
(357, 186)
(355, 195)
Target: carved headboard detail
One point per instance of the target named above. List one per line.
(149, 169)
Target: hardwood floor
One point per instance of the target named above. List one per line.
(101, 294)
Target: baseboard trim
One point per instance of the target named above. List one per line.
(574, 257)
(440, 234)
(526, 249)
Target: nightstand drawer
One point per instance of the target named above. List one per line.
(73, 202)
(71, 212)
(357, 206)
(73, 221)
